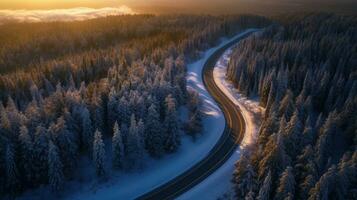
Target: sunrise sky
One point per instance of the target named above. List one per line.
(197, 6)
(50, 4)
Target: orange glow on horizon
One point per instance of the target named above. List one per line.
(56, 4)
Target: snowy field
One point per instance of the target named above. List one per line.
(123, 185)
(218, 183)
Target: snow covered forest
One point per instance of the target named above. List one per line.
(68, 87)
(304, 69)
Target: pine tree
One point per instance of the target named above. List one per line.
(99, 154)
(27, 151)
(293, 135)
(133, 148)
(154, 136)
(324, 142)
(264, 192)
(73, 125)
(325, 187)
(195, 115)
(40, 156)
(286, 107)
(246, 182)
(307, 184)
(3, 147)
(141, 133)
(249, 196)
(55, 174)
(282, 84)
(12, 174)
(274, 157)
(264, 93)
(195, 124)
(87, 132)
(347, 175)
(268, 127)
(67, 147)
(11, 106)
(33, 114)
(124, 129)
(118, 147)
(171, 136)
(112, 107)
(97, 111)
(4, 121)
(287, 184)
(305, 164)
(272, 94)
(123, 110)
(48, 87)
(35, 94)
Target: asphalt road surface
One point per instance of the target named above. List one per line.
(229, 141)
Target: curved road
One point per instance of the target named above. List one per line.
(230, 139)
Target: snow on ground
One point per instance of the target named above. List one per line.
(218, 183)
(156, 172)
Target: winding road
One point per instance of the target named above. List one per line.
(230, 139)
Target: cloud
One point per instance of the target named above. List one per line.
(71, 14)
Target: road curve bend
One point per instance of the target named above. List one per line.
(226, 145)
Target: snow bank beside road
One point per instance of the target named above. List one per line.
(250, 108)
(219, 183)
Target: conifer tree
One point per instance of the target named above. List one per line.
(27, 153)
(112, 107)
(246, 182)
(99, 154)
(293, 135)
(307, 184)
(286, 107)
(2, 164)
(195, 115)
(40, 156)
(141, 133)
(12, 173)
(287, 184)
(5, 123)
(118, 147)
(323, 145)
(264, 192)
(55, 174)
(97, 111)
(87, 132)
(325, 187)
(66, 143)
(124, 111)
(133, 148)
(171, 136)
(249, 196)
(154, 136)
(124, 129)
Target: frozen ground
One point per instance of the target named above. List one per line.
(219, 183)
